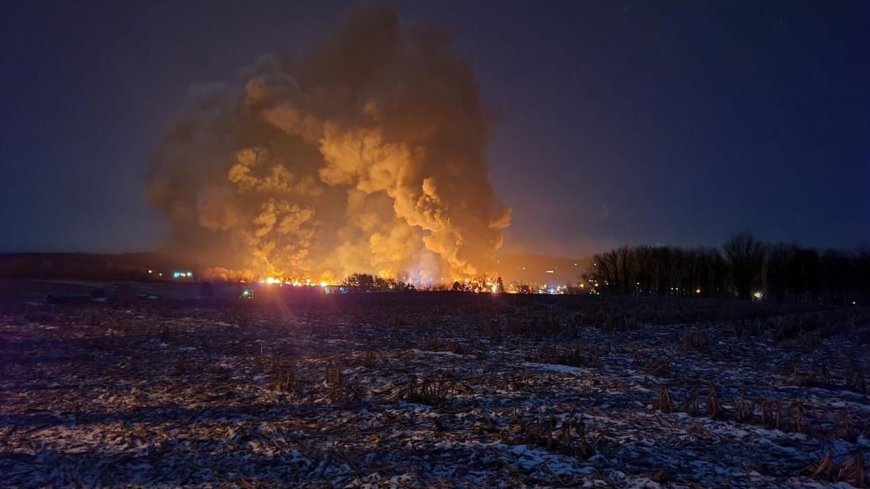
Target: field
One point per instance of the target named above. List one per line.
(434, 390)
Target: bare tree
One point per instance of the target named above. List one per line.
(746, 256)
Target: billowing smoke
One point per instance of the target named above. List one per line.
(364, 155)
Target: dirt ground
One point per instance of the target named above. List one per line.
(434, 390)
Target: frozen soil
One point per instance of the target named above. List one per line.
(485, 392)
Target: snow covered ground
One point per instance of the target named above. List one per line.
(500, 394)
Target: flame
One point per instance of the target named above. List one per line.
(366, 154)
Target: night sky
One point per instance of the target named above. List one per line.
(619, 123)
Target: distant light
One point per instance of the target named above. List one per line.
(324, 284)
(757, 295)
(697, 291)
(150, 271)
(272, 280)
(550, 271)
(853, 303)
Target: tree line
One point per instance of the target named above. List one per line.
(744, 267)
(364, 282)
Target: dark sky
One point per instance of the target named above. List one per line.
(620, 122)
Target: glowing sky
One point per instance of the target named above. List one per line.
(619, 122)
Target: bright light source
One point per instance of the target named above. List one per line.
(697, 291)
(272, 280)
(757, 295)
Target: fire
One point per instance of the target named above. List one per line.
(299, 282)
(480, 284)
(328, 164)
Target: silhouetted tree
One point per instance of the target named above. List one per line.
(366, 282)
(360, 281)
(646, 270)
(785, 273)
(792, 274)
(746, 256)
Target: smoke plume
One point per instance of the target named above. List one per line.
(365, 154)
